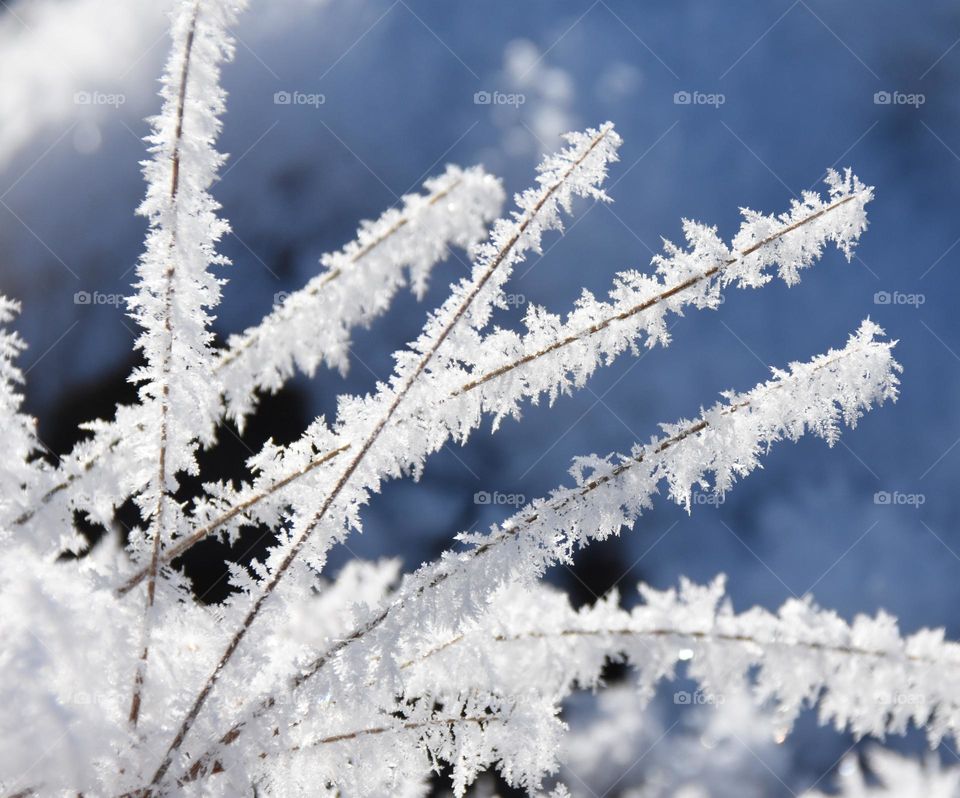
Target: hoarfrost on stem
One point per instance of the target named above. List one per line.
(366, 682)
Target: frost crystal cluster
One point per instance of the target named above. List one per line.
(116, 681)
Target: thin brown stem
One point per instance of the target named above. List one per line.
(348, 472)
(808, 645)
(164, 370)
(196, 772)
(182, 545)
(408, 726)
(649, 303)
(745, 639)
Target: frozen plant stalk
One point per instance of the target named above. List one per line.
(366, 681)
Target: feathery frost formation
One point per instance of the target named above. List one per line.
(296, 334)
(555, 355)
(18, 473)
(116, 680)
(313, 325)
(328, 508)
(176, 289)
(863, 676)
(390, 439)
(495, 372)
(610, 493)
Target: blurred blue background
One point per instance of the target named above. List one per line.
(799, 83)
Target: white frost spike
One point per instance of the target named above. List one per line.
(577, 171)
(815, 397)
(176, 291)
(863, 676)
(180, 403)
(796, 252)
(312, 325)
(333, 509)
(557, 355)
(17, 431)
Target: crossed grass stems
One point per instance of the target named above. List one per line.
(181, 546)
(165, 555)
(161, 556)
(207, 762)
